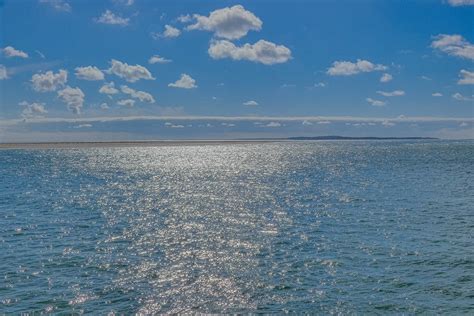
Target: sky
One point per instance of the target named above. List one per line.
(139, 69)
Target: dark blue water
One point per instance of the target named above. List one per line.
(323, 227)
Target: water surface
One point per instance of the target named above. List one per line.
(329, 227)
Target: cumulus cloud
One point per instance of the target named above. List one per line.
(458, 96)
(108, 88)
(12, 52)
(457, 3)
(437, 94)
(169, 32)
(60, 5)
(453, 45)
(467, 77)
(320, 85)
(127, 102)
(347, 68)
(376, 102)
(73, 97)
(3, 72)
(230, 23)
(32, 109)
(251, 103)
(395, 93)
(386, 78)
(90, 73)
(49, 81)
(128, 72)
(140, 95)
(155, 59)
(185, 82)
(262, 51)
(108, 17)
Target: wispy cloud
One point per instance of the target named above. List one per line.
(395, 93)
(108, 17)
(454, 45)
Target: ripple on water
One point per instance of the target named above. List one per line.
(329, 227)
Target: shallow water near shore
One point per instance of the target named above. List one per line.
(329, 227)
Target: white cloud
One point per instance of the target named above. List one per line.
(3, 73)
(108, 88)
(395, 93)
(376, 102)
(262, 51)
(458, 96)
(437, 94)
(387, 123)
(129, 72)
(60, 5)
(12, 52)
(320, 85)
(127, 102)
(140, 95)
(230, 23)
(73, 97)
(40, 54)
(171, 125)
(108, 17)
(49, 81)
(32, 109)
(104, 106)
(155, 59)
(426, 78)
(386, 78)
(184, 18)
(467, 77)
(347, 68)
(273, 124)
(185, 82)
(456, 3)
(251, 103)
(169, 32)
(90, 73)
(124, 2)
(83, 126)
(454, 45)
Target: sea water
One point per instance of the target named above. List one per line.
(317, 227)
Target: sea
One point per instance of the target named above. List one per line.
(315, 227)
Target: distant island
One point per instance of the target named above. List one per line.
(355, 138)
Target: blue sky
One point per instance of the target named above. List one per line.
(137, 69)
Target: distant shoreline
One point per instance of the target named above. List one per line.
(161, 143)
